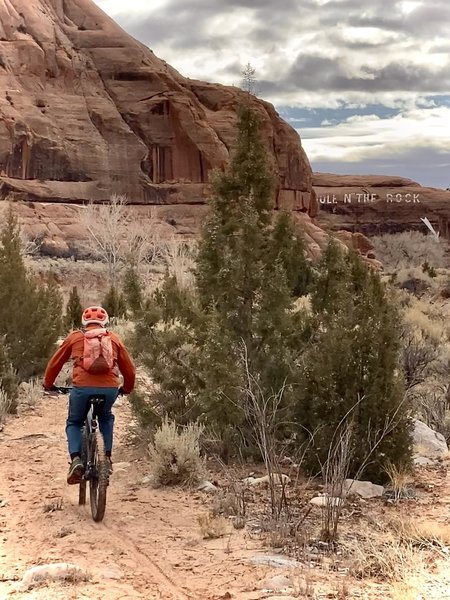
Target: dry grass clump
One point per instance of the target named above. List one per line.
(422, 535)
(175, 454)
(397, 552)
(5, 405)
(30, 392)
(385, 558)
(212, 526)
(400, 479)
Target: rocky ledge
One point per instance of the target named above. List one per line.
(375, 204)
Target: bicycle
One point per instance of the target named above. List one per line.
(96, 465)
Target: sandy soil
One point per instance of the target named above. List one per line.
(149, 545)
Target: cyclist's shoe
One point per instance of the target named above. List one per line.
(76, 471)
(109, 465)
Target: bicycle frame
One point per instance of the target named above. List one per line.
(91, 425)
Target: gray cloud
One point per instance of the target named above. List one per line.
(424, 165)
(313, 72)
(186, 26)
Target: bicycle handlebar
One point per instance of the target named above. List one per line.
(57, 390)
(67, 390)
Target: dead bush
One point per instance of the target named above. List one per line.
(175, 454)
(409, 249)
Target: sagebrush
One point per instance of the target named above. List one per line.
(175, 454)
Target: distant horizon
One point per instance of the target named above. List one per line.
(368, 89)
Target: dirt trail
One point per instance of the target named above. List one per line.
(148, 545)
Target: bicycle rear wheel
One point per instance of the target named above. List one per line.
(98, 483)
(84, 444)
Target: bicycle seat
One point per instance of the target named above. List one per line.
(97, 399)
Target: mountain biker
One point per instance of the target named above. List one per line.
(88, 381)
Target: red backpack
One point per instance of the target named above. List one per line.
(98, 355)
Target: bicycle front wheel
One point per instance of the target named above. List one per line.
(98, 483)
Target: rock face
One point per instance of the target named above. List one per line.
(374, 204)
(86, 110)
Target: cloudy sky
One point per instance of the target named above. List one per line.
(365, 82)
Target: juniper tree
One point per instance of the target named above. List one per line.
(351, 371)
(30, 312)
(114, 303)
(132, 290)
(198, 346)
(74, 310)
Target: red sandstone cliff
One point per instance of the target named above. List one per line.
(86, 110)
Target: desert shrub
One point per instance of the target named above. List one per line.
(409, 249)
(175, 454)
(8, 377)
(419, 352)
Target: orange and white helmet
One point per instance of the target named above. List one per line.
(95, 314)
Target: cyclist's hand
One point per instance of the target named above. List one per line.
(52, 390)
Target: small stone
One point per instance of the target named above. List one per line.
(423, 461)
(111, 572)
(277, 583)
(147, 480)
(427, 442)
(52, 572)
(207, 487)
(121, 465)
(275, 560)
(278, 479)
(324, 501)
(64, 532)
(364, 489)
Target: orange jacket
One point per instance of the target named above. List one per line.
(73, 347)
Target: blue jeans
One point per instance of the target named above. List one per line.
(78, 410)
